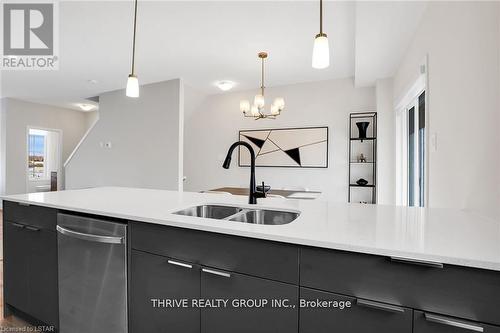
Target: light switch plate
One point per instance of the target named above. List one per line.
(433, 143)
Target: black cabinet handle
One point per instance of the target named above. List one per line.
(214, 272)
(379, 306)
(453, 322)
(17, 225)
(426, 263)
(180, 264)
(32, 228)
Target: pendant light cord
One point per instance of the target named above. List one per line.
(321, 17)
(133, 42)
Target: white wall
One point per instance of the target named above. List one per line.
(385, 143)
(91, 117)
(212, 125)
(193, 102)
(144, 134)
(17, 116)
(462, 40)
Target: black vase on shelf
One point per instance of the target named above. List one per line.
(362, 182)
(362, 127)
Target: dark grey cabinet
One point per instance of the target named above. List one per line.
(250, 305)
(383, 293)
(30, 271)
(270, 260)
(434, 323)
(16, 253)
(323, 312)
(231, 268)
(36, 216)
(159, 278)
(43, 286)
(447, 289)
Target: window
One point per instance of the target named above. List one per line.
(37, 154)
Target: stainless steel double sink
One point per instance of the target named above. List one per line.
(241, 214)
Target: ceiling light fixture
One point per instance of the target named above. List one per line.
(132, 82)
(225, 85)
(321, 49)
(256, 110)
(86, 107)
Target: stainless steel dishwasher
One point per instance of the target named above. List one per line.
(92, 256)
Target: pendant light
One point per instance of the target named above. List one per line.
(321, 50)
(132, 81)
(256, 110)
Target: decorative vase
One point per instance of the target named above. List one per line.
(362, 127)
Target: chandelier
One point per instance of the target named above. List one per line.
(256, 110)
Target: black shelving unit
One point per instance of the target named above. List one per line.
(368, 169)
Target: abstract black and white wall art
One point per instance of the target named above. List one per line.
(305, 147)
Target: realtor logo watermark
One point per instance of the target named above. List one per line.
(30, 36)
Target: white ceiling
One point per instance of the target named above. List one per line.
(203, 42)
(384, 31)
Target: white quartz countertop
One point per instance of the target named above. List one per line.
(439, 235)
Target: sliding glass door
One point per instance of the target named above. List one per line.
(421, 149)
(411, 152)
(411, 156)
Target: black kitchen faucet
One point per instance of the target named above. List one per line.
(253, 194)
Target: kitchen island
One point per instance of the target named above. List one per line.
(402, 269)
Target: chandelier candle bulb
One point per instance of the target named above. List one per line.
(274, 109)
(280, 103)
(244, 106)
(259, 101)
(255, 111)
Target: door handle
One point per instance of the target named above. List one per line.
(417, 262)
(90, 237)
(211, 271)
(379, 306)
(453, 322)
(17, 225)
(181, 264)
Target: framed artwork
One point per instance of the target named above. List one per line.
(305, 147)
